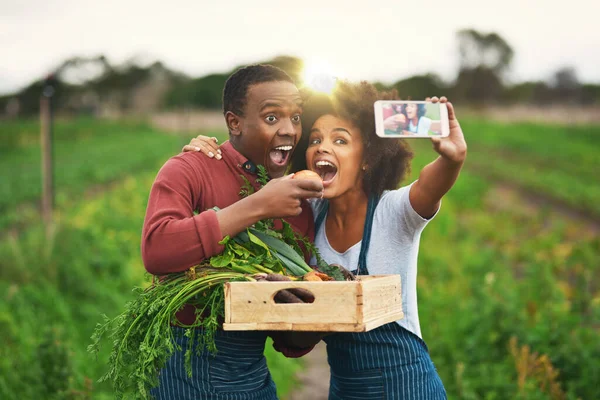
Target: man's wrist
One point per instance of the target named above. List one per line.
(256, 207)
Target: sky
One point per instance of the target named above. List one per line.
(383, 41)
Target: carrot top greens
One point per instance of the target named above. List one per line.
(142, 338)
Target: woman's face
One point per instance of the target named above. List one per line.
(411, 111)
(335, 152)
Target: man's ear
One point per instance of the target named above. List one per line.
(234, 123)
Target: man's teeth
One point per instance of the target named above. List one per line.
(284, 148)
(324, 164)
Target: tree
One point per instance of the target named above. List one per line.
(484, 60)
(420, 87)
(489, 51)
(566, 85)
(294, 67)
(207, 91)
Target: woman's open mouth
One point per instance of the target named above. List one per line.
(326, 170)
(280, 155)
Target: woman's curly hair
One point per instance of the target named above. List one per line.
(421, 110)
(387, 160)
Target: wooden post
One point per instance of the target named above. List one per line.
(47, 164)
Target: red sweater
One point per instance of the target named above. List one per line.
(173, 238)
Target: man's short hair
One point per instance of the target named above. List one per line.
(236, 87)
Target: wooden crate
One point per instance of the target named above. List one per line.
(357, 306)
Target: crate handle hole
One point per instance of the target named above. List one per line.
(293, 296)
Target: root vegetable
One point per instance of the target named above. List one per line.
(312, 276)
(307, 174)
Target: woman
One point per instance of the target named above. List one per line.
(417, 121)
(406, 119)
(369, 226)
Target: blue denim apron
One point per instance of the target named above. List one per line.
(386, 363)
(238, 371)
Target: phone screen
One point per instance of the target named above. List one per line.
(406, 119)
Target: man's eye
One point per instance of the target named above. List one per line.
(271, 119)
(296, 119)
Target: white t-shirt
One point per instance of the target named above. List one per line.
(393, 250)
(422, 127)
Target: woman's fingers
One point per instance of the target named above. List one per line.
(200, 146)
(189, 147)
(213, 142)
(436, 99)
(451, 114)
(205, 145)
(436, 142)
(206, 142)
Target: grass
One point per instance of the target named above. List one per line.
(53, 293)
(86, 153)
(509, 297)
(509, 294)
(558, 162)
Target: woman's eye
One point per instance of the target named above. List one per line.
(314, 141)
(340, 141)
(271, 118)
(296, 119)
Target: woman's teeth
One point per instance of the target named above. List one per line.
(324, 164)
(326, 170)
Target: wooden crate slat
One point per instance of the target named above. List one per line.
(355, 306)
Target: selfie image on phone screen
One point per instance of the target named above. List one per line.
(411, 119)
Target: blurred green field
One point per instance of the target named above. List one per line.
(509, 291)
(559, 162)
(87, 154)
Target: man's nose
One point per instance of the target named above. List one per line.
(286, 128)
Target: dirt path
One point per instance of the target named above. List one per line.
(511, 197)
(314, 379)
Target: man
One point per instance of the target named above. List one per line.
(262, 108)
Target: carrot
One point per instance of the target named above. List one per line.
(311, 276)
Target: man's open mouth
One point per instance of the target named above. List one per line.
(326, 170)
(280, 155)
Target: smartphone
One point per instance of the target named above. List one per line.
(411, 119)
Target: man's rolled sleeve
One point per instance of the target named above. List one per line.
(209, 233)
(173, 238)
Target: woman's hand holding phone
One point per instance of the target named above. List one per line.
(453, 147)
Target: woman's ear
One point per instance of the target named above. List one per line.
(233, 123)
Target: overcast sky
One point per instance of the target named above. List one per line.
(383, 41)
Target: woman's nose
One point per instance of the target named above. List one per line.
(323, 148)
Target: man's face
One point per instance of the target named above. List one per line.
(271, 126)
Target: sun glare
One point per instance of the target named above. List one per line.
(318, 75)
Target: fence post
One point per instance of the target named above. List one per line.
(47, 164)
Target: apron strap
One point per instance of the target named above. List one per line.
(366, 239)
(321, 216)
